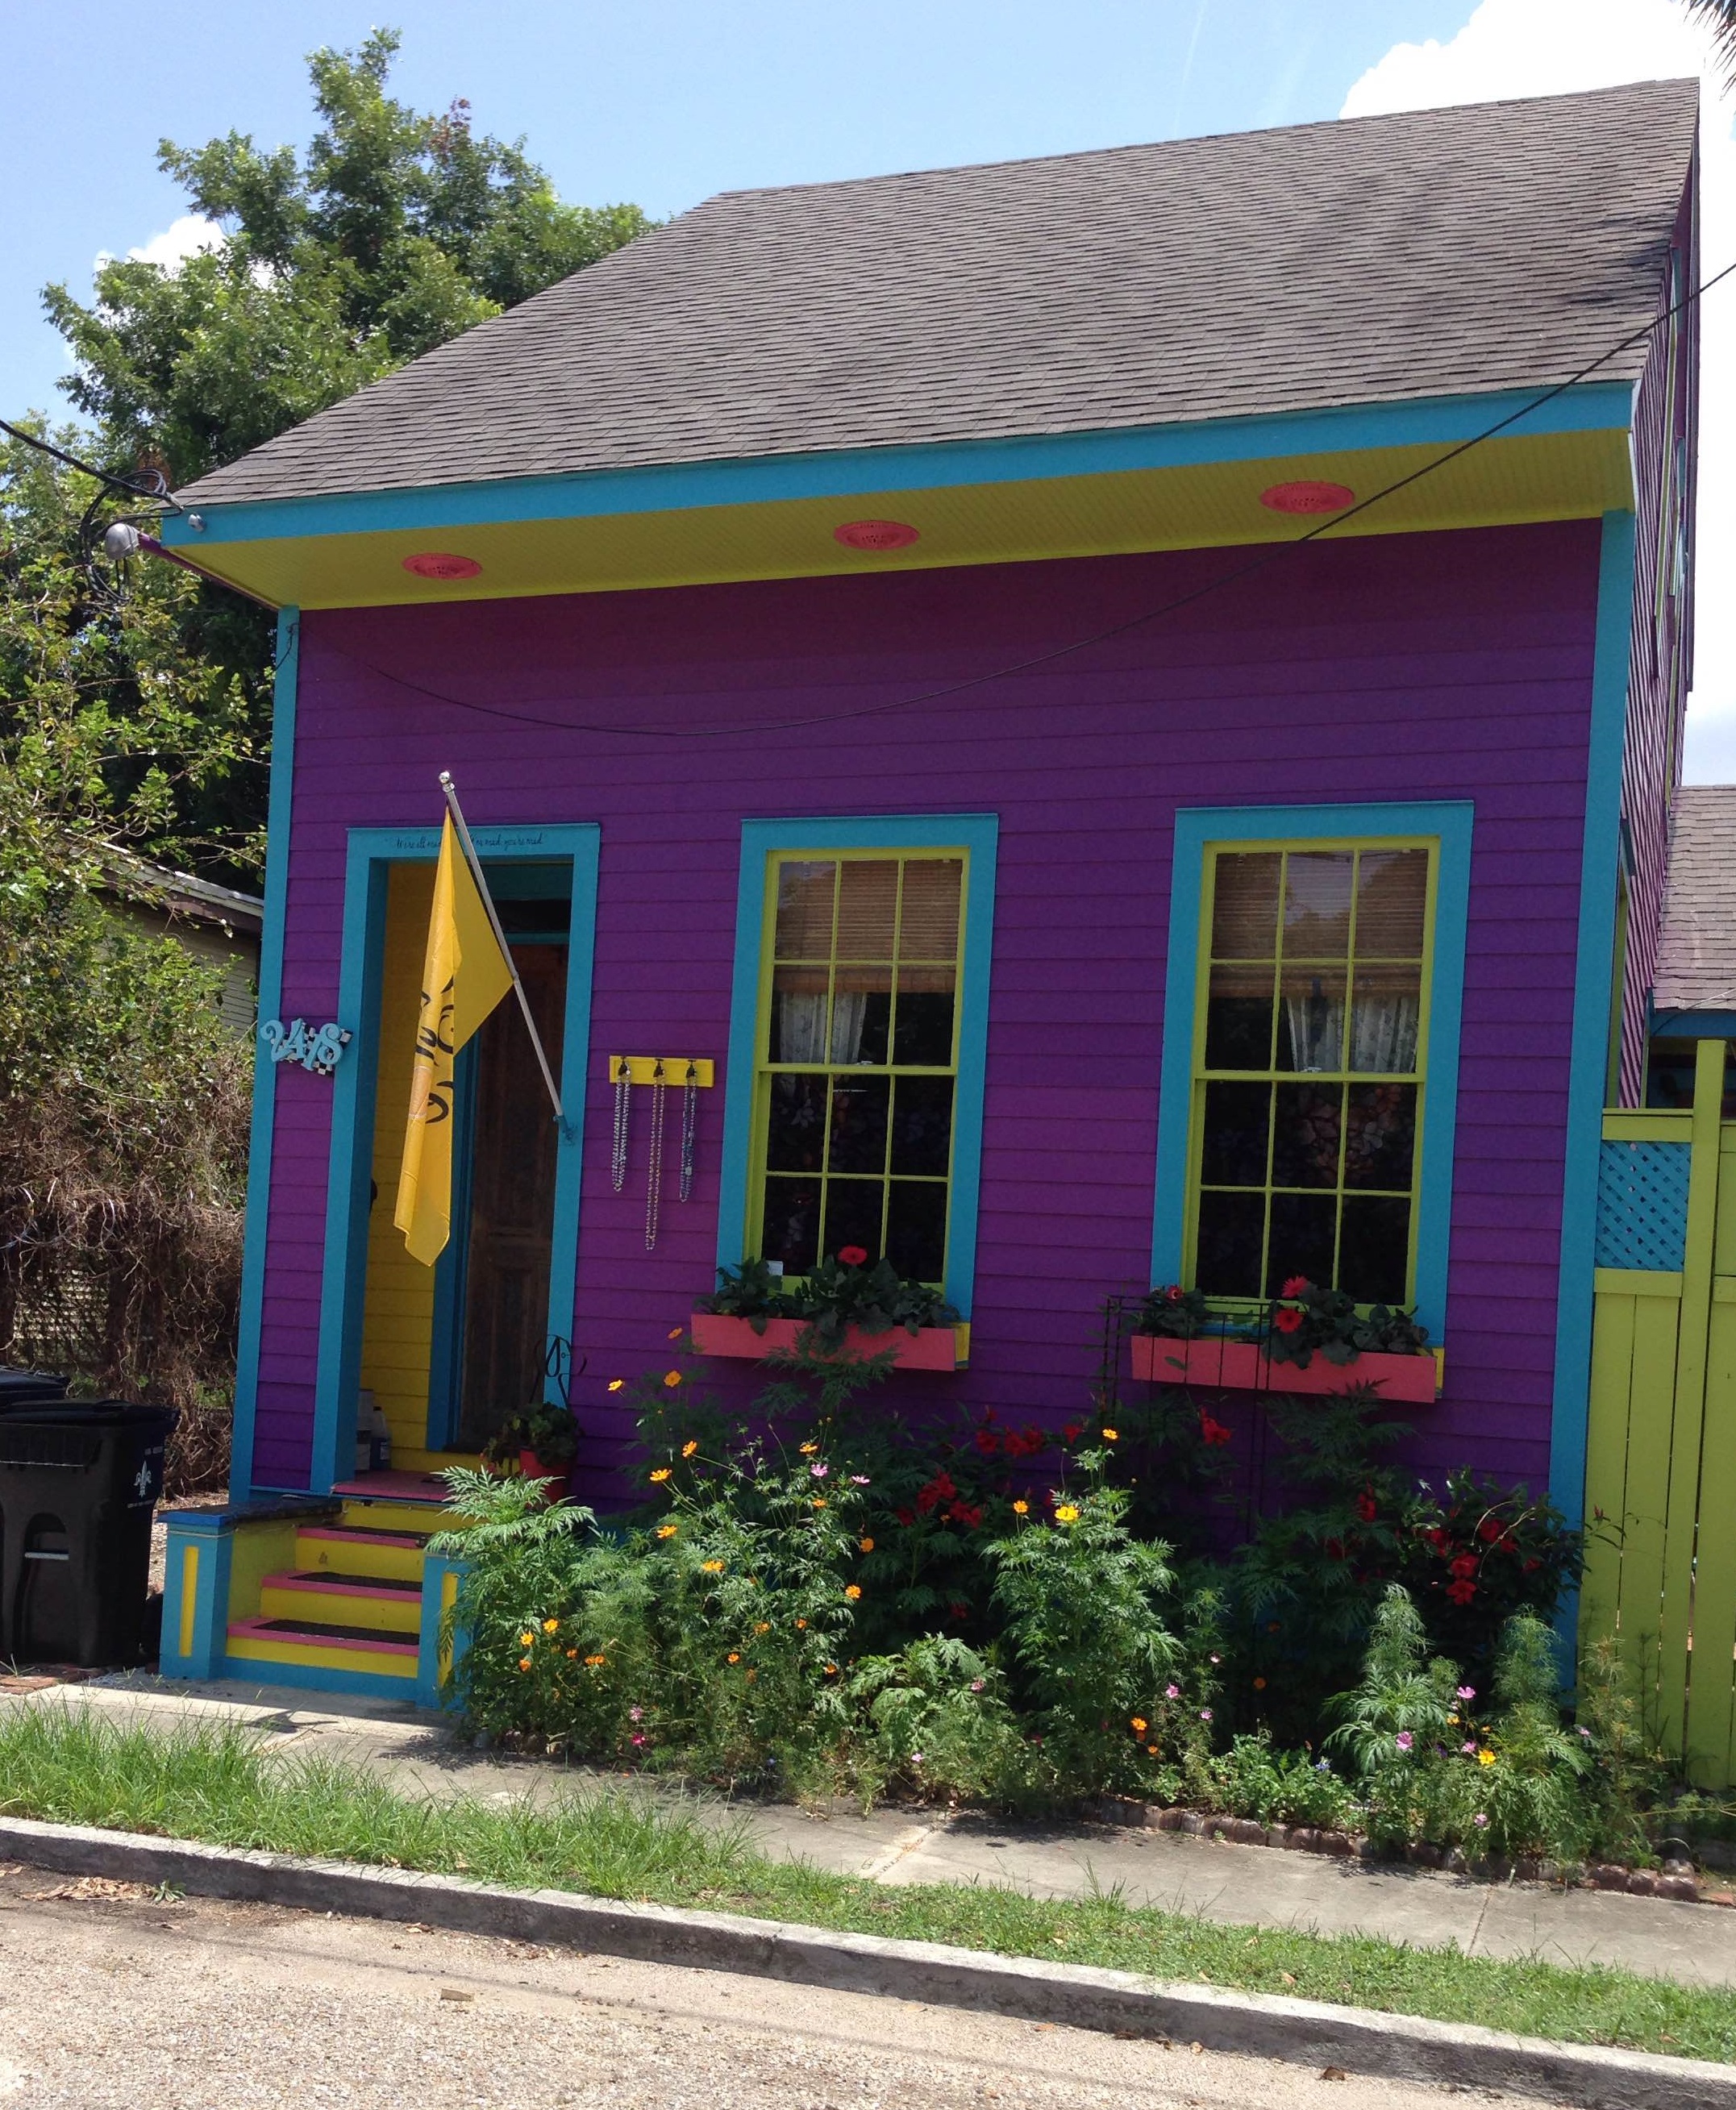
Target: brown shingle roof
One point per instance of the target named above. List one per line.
(1696, 949)
(1435, 252)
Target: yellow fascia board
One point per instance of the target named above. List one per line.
(1501, 481)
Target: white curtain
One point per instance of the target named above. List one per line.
(801, 1026)
(1383, 1033)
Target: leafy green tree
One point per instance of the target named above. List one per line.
(395, 231)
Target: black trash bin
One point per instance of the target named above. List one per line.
(29, 1388)
(79, 1484)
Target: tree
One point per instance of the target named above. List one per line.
(1721, 14)
(394, 232)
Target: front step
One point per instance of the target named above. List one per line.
(352, 1549)
(388, 1604)
(319, 1645)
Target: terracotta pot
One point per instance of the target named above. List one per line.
(560, 1476)
(933, 1348)
(1217, 1363)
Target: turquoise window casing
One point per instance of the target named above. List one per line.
(1448, 822)
(977, 835)
(372, 853)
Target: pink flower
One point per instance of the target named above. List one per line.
(1205, 1713)
(1467, 1692)
(976, 1684)
(636, 1714)
(1298, 1286)
(1479, 1819)
(818, 1470)
(1468, 1749)
(1172, 1692)
(859, 1480)
(637, 1742)
(1404, 1740)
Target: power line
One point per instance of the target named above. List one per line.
(1230, 578)
(158, 491)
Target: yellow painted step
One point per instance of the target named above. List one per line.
(422, 1518)
(344, 1549)
(390, 1605)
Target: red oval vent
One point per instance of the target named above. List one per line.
(877, 535)
(442, 564)
(1307, 497)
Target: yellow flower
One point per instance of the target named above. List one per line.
(666, 1531)
(734, 1656)
(1139, 1725)
(659, 1473)
(809, 1449)
(853, 1591)
(1021, 1509)
(672, 1379)
(1066, 1513)
(616, 1383)
(765, 1626)
(524, 1663)
(1486, 1757)
(690, 1446)
(550, 1626)
(676, 1333)
(525, 1640)
(1112, 1436)
(819, 1504)
(1452, 1721)
(866, 1545)
(711, 1567)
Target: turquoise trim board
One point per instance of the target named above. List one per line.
(280, 794)
(1694, 1025)
(1448, 821)
(980, 834)
(1591, 1012)
(372, 853)
(1598, 406)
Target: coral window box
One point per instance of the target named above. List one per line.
(930, 1348)
(1226, 1366)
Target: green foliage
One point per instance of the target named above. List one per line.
(550, 1432)
(1309, 1319)
(1405, 1697)
(835, 1296)
(935, 1720)
(394, 232)
(1174, 1313)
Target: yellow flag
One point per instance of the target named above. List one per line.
(463, 976)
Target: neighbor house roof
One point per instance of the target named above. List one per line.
(1371, 259)
(1697, 951)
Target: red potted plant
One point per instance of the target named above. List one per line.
(541, 1441)
(1306, 1341)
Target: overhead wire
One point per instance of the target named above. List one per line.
(1266, 557)
(157, 490)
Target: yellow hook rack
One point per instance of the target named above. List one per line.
(642, 1070)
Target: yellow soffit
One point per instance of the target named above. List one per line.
(1564, 475)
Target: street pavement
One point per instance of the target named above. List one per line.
(112, 1996)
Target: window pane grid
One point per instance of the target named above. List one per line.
(858, 1059)
(1308, 1086)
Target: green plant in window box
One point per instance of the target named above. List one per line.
(1306, 1318)
(843, 1291)
(548, 1434)
(1174, 1314)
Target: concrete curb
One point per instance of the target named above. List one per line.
(1310, 2032)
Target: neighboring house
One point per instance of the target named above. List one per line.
(213, 923)
(861, 622)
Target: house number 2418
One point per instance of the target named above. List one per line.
(316, 1048)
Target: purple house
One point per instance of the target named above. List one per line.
(1108, 721)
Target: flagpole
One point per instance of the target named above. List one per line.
(474, 862)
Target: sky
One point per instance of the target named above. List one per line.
(663, 102)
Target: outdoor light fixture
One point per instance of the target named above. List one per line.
(442, 564)
(877, 535)
(1307, 497)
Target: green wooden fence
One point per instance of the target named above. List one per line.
(1661, 1462)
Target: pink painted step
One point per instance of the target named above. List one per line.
(349, 1534)
(334, 1584)
(315, 1634)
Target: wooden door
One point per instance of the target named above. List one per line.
(512, 1203)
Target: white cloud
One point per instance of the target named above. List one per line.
(182, 239)
(1511, 48)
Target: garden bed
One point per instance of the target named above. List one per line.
(929, 1348)
(1217, 1363)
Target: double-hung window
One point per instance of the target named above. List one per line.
(1311, 1052)
(858, 1044)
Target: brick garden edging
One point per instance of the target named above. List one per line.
(1127, 1811)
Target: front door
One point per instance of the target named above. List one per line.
(506, 1273)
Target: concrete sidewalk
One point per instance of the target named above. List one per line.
(1245, 1885)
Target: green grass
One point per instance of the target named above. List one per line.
(217, 1786)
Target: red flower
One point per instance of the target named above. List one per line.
(959, 1611)
(940, 1489)
(1365, 1505)
(1508, 1545)
(1489, 1530)
(1532, 1565)
(853, 1256)
(1298, 1285)
(1335, 1547)
(1175, 1293)
(1438, 1539)
(963, 1513)
(1073, 1431)
(1287, 1321)
(1462, 1591)
(987, 1442)
(907, 1516)
(1212, 1432)
(1463, 1564)
(1028, 1443)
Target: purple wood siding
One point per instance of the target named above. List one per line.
(1448, 666)
(1665, 447)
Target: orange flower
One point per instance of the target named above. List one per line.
(550, 1626)
(690, 1446)
(711, 1567)
(659, 1473)
(595, 1662)
(676, 1333)
(1021, 1509)
(524, 1663)
(831, 1670)
(809, 1449)
(1066, 1513)
(672, 1379)
(734, 1656)
(666, 1530)
(763, 1627)
(1259, 1685)
(1139, 1725)
(801, 1622)
(572, 1655)
(866, 1545)
(853, 1591)
(819, 1503)
(1112, 1436)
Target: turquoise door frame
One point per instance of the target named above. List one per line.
(372, 853)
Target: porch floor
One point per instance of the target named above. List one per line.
(394, 1487)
